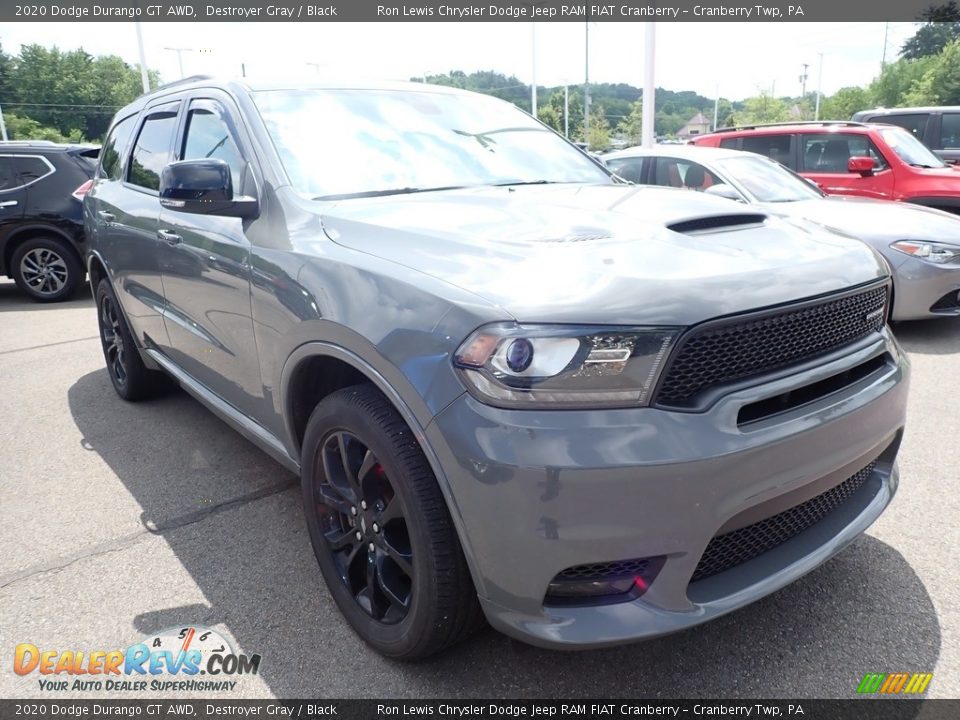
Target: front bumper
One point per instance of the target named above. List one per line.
(918, 287)
(536, 492)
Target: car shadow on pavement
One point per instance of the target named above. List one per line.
(11, 299)
(929, 337)
(232, 518)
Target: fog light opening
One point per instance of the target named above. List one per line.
(603, 583)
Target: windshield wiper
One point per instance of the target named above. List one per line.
(527, 182)
(382, 193)
(928, 167)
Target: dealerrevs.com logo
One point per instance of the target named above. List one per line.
(198, 658)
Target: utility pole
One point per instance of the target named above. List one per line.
(180, 51)
(566, 111)
(716, 107)
(3, 127)
(586, 80)
(803, 81)
(886, 33)
(816, 112)
(144, 75)
(533, 60)
(649, 85)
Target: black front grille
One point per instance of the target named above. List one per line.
(736, 349)
(738, 546)
(606, 570)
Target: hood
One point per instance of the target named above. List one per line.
(604, 254)
(875, 220)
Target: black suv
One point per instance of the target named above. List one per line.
(42, 185)
(936, 127)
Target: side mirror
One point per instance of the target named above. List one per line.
(862, 165)
(725, 191)
(203, 187)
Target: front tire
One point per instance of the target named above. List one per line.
(47, 269)
(130, 377)
(381, 530)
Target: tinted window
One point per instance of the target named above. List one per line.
(674, 172)
(8, 176)
(765, 180)
(31, 168)
(775, 147)
(114, 149)
(916, 123)
(152, 151)
(829, 152)
(209, 137)
(950, 131)
(628, 168)
(732, 143)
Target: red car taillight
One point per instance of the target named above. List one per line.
(82, 190)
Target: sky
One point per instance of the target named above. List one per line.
(734, 60)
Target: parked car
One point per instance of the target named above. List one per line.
(921, 245)
(512, 386)
(883, 162)
(936, 127)
(41, 217)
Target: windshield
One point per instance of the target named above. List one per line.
(337, 144)
(911, 151)
(766, 180)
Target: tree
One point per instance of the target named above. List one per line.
(548, 115)
(598, 137)
(940, 84)
(23, 128)
(941, 27)
(897, 79)
(631, 127)
(844, 103)
(762, 109)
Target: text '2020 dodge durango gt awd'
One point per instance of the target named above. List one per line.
(513, 385)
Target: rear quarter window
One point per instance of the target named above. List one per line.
(775, 147)
(31, 169)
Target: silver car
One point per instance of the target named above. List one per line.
(513, 387)
(921, 245)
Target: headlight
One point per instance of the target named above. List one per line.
(934, 252)
(564, 366)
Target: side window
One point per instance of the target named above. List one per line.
(674, 172)
(111, 157)
(950, 131)
(916, 123)
(8, 174)
(31, 168)
(152, 149)
(628, 168)
(829, 153)
(730, 143)
(209, 136)
(775, 147)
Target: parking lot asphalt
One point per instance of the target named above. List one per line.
(120, 520)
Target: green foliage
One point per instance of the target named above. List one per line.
(24, 128)
(70, 93)
(763, 108)
(845, 102)
(941, 27)
(548, 115)
(940, 84)
(897, 80)
(631, 127)
(598, 135)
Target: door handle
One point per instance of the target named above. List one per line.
(8, 203)
(107, 217)
(169, 236)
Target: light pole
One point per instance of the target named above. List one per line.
(586, 81)
(816, 112)
(649, 85)
(179, 51)
(533, 61)
(3, 127)
(566, 111)
(144, 75)
(716, 107)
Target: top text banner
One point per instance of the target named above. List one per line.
(431, 10)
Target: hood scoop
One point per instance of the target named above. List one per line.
(717, 223)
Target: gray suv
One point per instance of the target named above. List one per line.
(513, 386)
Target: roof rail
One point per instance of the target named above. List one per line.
(183, 81)
(29, 142)
(844, 123)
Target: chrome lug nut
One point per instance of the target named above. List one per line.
(376, 528)
(363, 504)
(353, 510)
(371, 547)
(359, 535)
